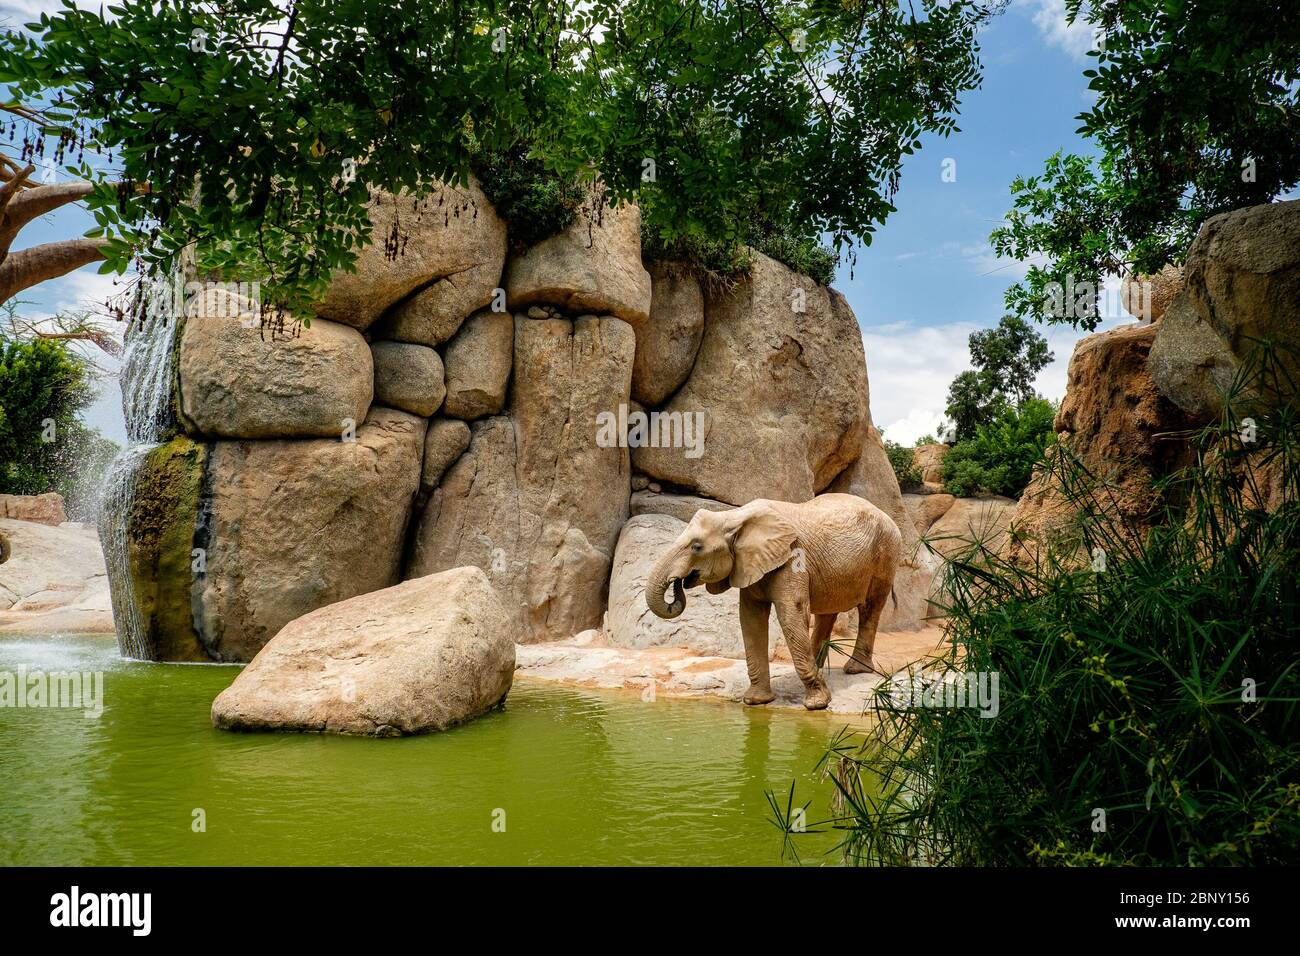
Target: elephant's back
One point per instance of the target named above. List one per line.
(852, 545)
(853, 516)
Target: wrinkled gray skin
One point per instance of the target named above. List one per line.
(818, 558)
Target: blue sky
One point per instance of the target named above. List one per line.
(929, 278)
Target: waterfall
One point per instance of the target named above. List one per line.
(146, 379)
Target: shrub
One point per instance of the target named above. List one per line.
(1000, 458)
(534, 201)
(903, 462)
(1159, 689)
(723, 258)
(43, 447)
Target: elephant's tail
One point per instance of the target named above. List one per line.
(893, 596)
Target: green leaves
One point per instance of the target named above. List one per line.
(1197, 112)
(999, 458)
(240, 122)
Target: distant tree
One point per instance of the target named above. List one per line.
(1007, 359)
(971, 403)
(44, 386)
(902, 460)
(1197, 112)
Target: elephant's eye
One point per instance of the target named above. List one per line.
(697, 547)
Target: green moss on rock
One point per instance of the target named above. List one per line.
(161, 526)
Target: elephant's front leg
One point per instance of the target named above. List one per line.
(793, 615)
(753, 625)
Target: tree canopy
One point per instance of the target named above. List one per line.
(1197, 112)
(262, 126)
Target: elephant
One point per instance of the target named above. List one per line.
(4, 549)
(818, 558)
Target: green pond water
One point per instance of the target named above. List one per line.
(582, 777)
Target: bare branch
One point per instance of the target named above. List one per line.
(13, 184)
(30, 203)
(22, 270)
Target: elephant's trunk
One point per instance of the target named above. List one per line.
(657, 585)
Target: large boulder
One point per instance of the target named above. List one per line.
(536, 501)
(444, 442)
(447, 247)
(1113, 439)
(290, 526)
(478, 365)
(423, 655)
(54, 580)
(238, 381)
(408, 377)
(681, 507)
(780, 384)
(925, 510)
(1242, 284)
(970, 522)
(41, 509)
(591, 267)
(928, 459)
(1148, 297)
(710, 625)
(667, 343)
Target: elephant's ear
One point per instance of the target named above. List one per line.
(762, 542)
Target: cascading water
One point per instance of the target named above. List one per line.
(146, 402)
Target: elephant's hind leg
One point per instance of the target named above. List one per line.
(869, 612)
(753, 627)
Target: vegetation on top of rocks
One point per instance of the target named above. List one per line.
(722, 260)
(261, 133)
(1147, 682)
(1000, 458)
(901, 459)
(534, 201)
(1191, 119)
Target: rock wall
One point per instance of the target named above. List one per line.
(450, 405)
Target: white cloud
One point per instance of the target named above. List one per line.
(85, 289)
(1075, 38)
(910, 368)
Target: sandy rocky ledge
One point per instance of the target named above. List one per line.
(55, 581)
(588, 661)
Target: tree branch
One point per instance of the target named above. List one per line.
(34, 202)
(27, 268)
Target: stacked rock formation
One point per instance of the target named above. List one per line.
(1136, 391)
(451, 405)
